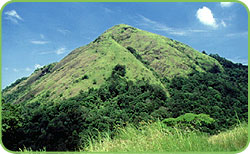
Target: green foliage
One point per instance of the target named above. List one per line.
(66, 124)
(215, 69)
(190, 121)
(226, 63)
(47, 68)
(223, 96)
(14, 84)
(236, 72)
(137, 56)
(119, 70)
(204, 52)
(17, 94)
(85, 77)
(54, 126)
(156, 137)
(237, 135)
(11, 125)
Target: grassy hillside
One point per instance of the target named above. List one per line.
(146, 55)
(70, 123)
(156, 137)
(167, 57)
(126, 78)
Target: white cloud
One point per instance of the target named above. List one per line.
(63, 31)
(27, 69)
(239, 34)
(60, 51)
(15, 70)
(107, 10)
(226, 4)
(241, 60)
(197, 30)
(38, 66)
(13, 16)
(180, 33)
(45, 52)
(6, 68)
(223, 23)
(15, 21)
(162, 27)
(148, 21)
(39, 42)
(206, 17)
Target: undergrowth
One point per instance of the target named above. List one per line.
(156, 137)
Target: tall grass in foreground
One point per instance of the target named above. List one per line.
(156, 137)
(231, 140)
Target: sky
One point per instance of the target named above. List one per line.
(37, 34)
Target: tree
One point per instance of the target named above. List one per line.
(119, 70)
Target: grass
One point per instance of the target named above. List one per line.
(231, 140)
(156, 137)
(29, 150)
(176, 58)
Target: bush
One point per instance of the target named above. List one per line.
(85, 77)
(190, 121)
(119, 70)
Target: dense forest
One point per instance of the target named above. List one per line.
(218, 99)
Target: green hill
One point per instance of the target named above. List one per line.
(145, 55)
(125, 77)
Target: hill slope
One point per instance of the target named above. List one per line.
(146, 55)
(126, 76)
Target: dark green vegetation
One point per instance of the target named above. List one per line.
(67, 124)
(220, 95)
(116, 81)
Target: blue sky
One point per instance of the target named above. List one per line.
(36, 34)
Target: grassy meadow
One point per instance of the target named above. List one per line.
(156, 137)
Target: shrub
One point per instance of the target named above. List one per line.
(190, 121)
(119, 70)
(85, 77)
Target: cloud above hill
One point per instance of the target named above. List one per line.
(206, 17)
